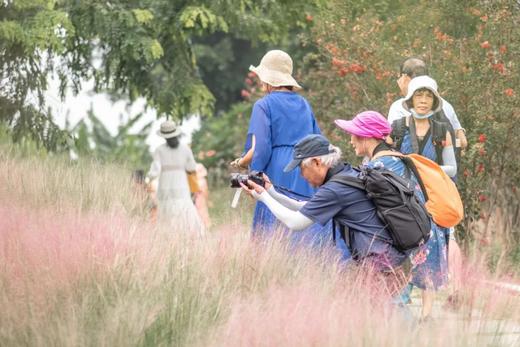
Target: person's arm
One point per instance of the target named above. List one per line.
(243, 162)
(286, 201)
(461, 136)
(460, 133)
(190, 165)
(449, 163)
(294, 220)
(155, 168)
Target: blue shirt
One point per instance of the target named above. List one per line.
(279, 120)
(351, 208)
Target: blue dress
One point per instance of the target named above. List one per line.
(433, 273)
(278, 121)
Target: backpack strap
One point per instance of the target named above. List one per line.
(411, 166)
(413, 136)
(399, 128)
(345, 234)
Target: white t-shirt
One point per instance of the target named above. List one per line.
(398, 111)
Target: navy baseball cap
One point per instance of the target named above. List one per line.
(310, 146)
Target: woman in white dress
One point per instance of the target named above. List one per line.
(171, 162)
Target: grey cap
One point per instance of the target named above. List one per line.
(310, 146)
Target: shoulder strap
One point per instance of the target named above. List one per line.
(399, 128)
(438, 131)
(411, 166)
(413, 136)
(349, 180)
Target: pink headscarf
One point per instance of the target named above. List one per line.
(366, 124)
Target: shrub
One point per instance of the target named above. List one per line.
(472, 49)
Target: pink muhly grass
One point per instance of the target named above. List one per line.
(307, 313)
(42, 250)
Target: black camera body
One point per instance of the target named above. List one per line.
(255, 176)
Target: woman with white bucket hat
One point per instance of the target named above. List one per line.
(278, 121)
(171, 163)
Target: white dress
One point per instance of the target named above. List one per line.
(176, 208)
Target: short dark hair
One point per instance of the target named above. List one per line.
(414, 67)
(173, 142)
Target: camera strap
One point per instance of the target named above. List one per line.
(234, 202)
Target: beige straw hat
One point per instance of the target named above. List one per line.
(276, 69)
(169, 129)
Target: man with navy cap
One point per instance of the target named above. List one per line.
(369, 240)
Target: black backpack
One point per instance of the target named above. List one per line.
(406, 218)
(439, 125)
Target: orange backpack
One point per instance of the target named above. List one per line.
(443, 201)
(442, 197)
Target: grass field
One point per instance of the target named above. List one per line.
(81, 265)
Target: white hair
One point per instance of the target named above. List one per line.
(328, 160)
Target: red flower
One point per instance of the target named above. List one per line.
(484, 18)
(338, 63)
(343, 71)
(308, 18)
(245, 94)
(357, 68)
(480, 168)
(499, 67)
(509, 92)
(482, 138)
(485, 45)
(482, 198)
(503, 49)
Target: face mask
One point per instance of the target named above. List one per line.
(420, 116)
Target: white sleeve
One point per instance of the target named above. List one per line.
(294, 220)
(191, 165)
(449, 111)
(286, 201)
(397, 111)
(449, 162)
(155, 168)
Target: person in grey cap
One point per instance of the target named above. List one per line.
(318, 160)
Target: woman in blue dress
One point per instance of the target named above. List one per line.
(278, 121)
(369, 130)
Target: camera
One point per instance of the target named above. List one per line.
(255, 176)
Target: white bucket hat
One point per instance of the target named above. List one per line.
(422, 82)
(169, 129)
(276, 69)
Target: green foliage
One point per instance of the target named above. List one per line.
(471, 47)
(28, 30)
(132, 48)
(92, 139)
(221, 138)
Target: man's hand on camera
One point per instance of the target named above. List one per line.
(255, 189)
(267, 181)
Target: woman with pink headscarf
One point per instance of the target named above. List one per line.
(369, 131)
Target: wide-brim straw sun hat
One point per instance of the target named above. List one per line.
(369, 124)
(169, 129)
(275, 69)
(421, 82)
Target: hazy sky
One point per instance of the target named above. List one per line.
(111, 114)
